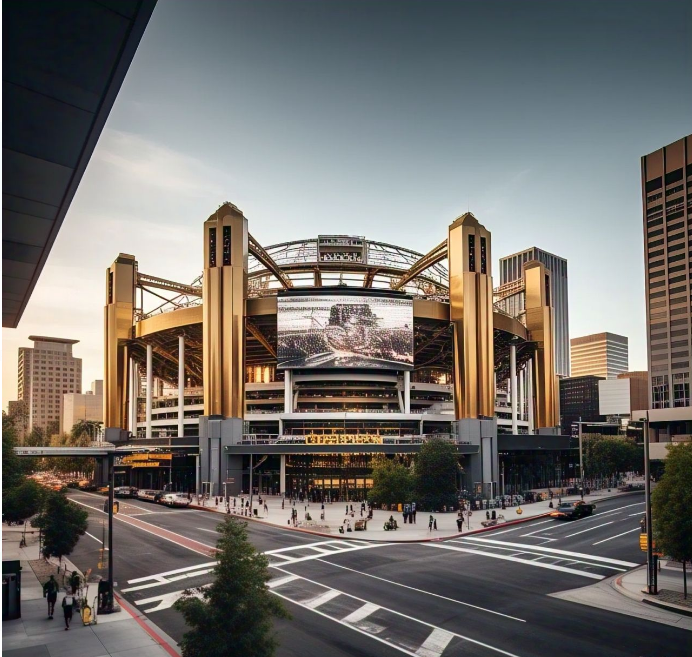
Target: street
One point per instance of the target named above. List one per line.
(485, 594)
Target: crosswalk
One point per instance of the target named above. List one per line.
(539, 556)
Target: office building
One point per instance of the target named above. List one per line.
(579, 401)
(621, 396)
(667, 204)
(87, 406)
(46, 372)
(511, 272)
(600, 354)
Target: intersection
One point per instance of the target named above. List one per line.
(481, 594)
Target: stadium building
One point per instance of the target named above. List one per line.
(300, 363)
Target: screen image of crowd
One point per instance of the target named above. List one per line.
(339, 331)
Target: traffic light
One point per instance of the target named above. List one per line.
(642, 524)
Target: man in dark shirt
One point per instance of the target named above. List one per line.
(50, 591)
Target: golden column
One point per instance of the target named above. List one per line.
(224, 293)
(471, 312)
(540, 325)
(118, 320)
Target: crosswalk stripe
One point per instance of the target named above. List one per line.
(540, 548)
(321, 599)
(435, 644)
(172, 572)
(361, 613)
(272, 584)
(588, 530)
(610, 538)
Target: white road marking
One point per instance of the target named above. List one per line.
(211, 531)
(412, 588)
(94, 537)
(360, 613)
(313, 545)
(210, 564)
(636, 529)
(281, 580)
(631, 515)
(166, 600)
(435, 644)
(588, 530)
(540, 548)
(528, 562)
(321, 599)
(532, 550)
(170, 580)
(353, 626)
(318, 555)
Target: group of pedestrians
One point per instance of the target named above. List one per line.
(69, 601)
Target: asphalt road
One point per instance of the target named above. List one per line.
(486, 594)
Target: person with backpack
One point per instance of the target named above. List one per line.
(67, 605)
(50, 591)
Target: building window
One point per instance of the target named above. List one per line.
(472, 253)
(659, 391)
(681, 389)
(226, 245)
(212, 247)
(484, 257)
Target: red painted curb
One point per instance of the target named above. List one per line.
(133, 612)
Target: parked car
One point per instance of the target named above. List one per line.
(573, 510)
(150, 495)
(175, 499)
(125, 491)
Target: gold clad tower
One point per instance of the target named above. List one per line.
(471, 312)
(540, 324)
(224, 293)
(118, 320)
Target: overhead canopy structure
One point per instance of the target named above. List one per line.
(64, 64)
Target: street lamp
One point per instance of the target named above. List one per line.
(652, 576)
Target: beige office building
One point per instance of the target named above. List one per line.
(600, 354)
(46, 372)
(87, 406)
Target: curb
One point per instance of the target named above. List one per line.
(146, 626)
(405, 541)
(668, 607)
(642, 597)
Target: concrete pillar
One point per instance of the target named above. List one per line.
(513, 385)
(282, 475)
(407, 392)
(288, 391)
(132, 398)
(529, 394)
(521, 395)
(181, 385)
(150, 387)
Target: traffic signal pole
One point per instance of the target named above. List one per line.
(651, 577)
(111, 494)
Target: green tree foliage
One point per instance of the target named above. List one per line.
(12, 475)
(607, 456)
(671, 504)
(62, 522)
(437, 467)
(84, 432)
(36, 438)
(233, 616)
(392, 483)
(23, 501)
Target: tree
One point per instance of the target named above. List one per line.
(392, 481)
(62, 523)
(12, 474)
(437, 467)
(671, 506)
(23, 501)
(84, 432)
(36, 438)
(233, 615)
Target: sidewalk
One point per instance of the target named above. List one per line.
(670, 588)
(335, 517)
(123, 634)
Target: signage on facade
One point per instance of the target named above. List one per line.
(145, 460)
(343, 439)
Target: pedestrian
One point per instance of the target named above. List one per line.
(67, 604)
(435, 524)
(430, 524)
(459, 523)
(75, 581)
(413, 509)
(347, 509)
(282, 504)
(50, 591)
(266, 509)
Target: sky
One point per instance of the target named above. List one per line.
(385, 119)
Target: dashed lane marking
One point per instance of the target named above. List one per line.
(589, 529)
(435, 644)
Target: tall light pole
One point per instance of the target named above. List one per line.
(651, 578)
(581, 460)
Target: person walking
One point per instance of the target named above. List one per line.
(75, 582)
(413, 511)
(266, 508)
(435, 524)
(50, 591)
(67, 605)
(430, 524)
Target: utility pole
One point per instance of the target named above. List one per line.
(111, 481)
(581, 460)
(652, 576)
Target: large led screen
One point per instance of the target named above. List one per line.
(345, 330)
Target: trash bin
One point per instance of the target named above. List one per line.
(493, 516)
(11, 590)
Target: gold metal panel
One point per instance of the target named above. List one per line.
(425, 309)
(170, 320)
(261, 306)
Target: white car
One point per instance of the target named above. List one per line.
(175, 499)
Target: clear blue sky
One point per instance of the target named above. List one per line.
(386, 119)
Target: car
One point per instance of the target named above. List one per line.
(125, 491)
(150, 495)
(175, 499)
(573, 510)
